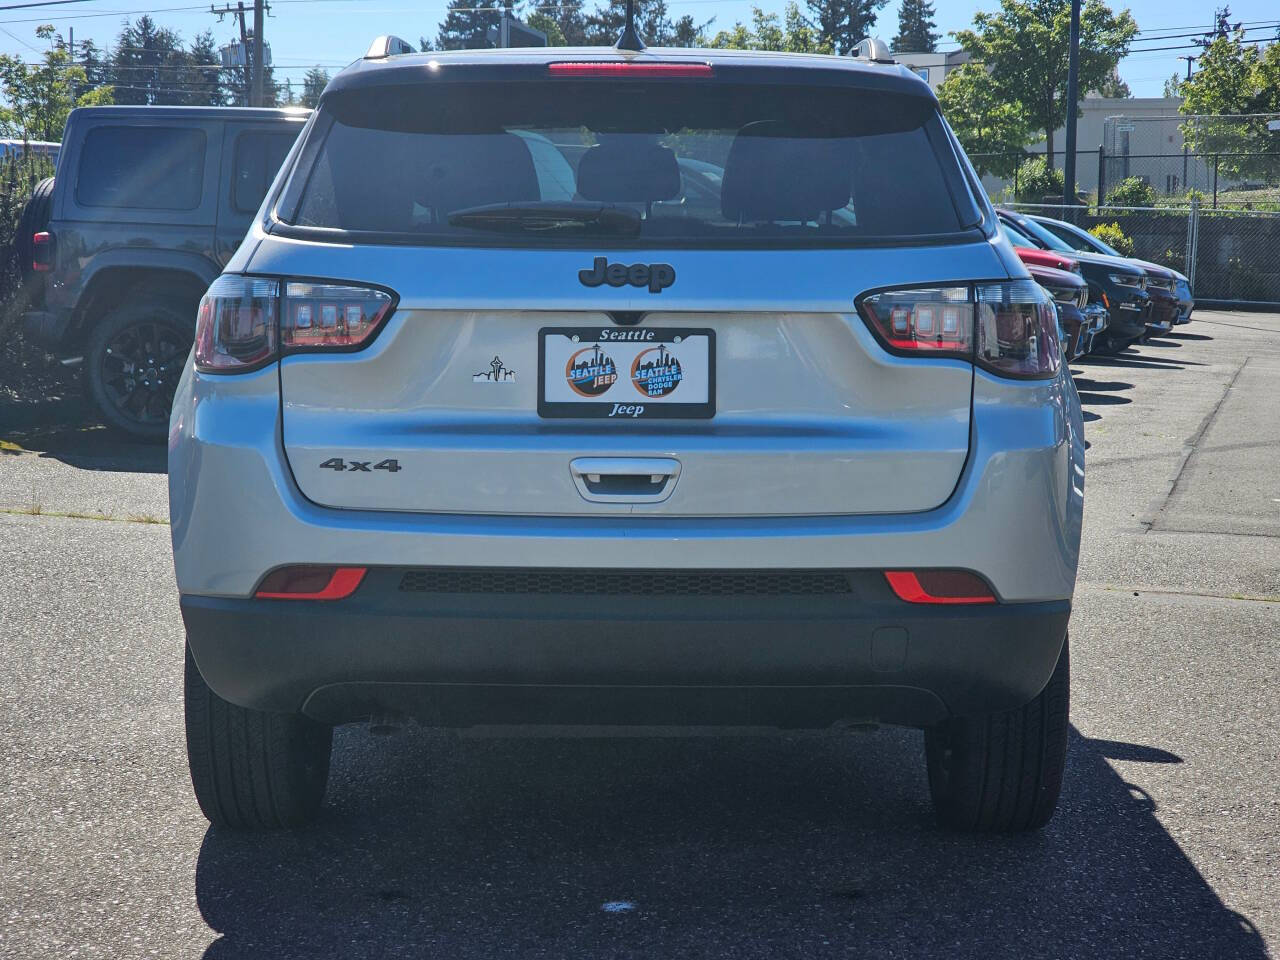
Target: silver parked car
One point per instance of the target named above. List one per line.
(687, 387)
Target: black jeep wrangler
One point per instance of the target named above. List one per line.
(146, 206)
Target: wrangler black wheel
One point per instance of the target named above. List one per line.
(134, 359)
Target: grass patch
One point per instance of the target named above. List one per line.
(36, 510)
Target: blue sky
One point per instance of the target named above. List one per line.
(331, 33)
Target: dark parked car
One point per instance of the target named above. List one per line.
(1121, 286)
(1084, 241)
(1070, 293)
(146, 207)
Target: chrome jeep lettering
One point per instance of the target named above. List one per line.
(627, 410)
(656, 276)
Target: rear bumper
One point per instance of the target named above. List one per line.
(46, 328)
(457, 659)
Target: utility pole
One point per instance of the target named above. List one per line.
(258, 71)
(1073, 98)
(238, 12)
(71, 52)
(1190, 60)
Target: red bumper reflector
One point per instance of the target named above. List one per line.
(938, 586)
(686, 71)
(310, 583)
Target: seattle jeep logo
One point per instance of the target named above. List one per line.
(656, 276)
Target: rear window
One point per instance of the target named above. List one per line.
(708, 162)
(155, 168)
(257, 159)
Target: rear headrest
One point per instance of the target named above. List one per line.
(771, 174)
(621, 171)
(469, 170)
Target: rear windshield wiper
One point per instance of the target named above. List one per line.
(550, 215)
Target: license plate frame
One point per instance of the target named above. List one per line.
(641, 361)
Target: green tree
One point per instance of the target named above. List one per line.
(1025, 47)
(653, 23)
(916, 28)
(40, 96)
(1115, 88)
(147, 64)
(313, 84)
(793, 33)
(1236, 82)
(201, 74)
(466, 25)
(565, 24)
(842, 23)
(992, 129)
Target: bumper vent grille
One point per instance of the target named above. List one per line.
(643, 583)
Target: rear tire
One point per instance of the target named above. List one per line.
(1002, 772)
(134, 357)
(251, 769)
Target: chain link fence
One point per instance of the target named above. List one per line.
(1230, 256)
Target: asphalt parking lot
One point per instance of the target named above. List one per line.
(1166, 844)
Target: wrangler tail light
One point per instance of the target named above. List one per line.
(246, 322)
(1009, 328)
(939, 586)
(309, 582)
(42, 251)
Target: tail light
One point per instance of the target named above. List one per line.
(43, 247)
(1009, 328)
(246, 322)
(939, 586)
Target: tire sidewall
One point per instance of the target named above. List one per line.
(162, 311)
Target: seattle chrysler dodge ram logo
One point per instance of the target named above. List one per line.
(656, 276)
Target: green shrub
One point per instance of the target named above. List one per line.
(1132, 192)
(1036, 180)
(1113, 236)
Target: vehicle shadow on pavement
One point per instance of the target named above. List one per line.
(788, 846)
(68, 431)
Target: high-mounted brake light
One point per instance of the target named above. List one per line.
(245, 322)
(309, 582)
(675, 71)
(1009, 328)
(939, 586)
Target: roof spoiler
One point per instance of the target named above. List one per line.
(873, 49)
(387, 46)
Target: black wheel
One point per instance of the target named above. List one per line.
(251, 769)
(1001, 773)
(134, 358)
(34, 218)
(1108, 345)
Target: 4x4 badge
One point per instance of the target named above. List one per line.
(656, 276)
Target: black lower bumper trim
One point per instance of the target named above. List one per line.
(460, 659)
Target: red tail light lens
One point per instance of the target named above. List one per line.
(939, 586)
(236, 325)
(1017, 330)
(676, 71)
(326, 316)
(310, 583)
(246, 322)
(42, 249)
(1009, 328)
(928, 319)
